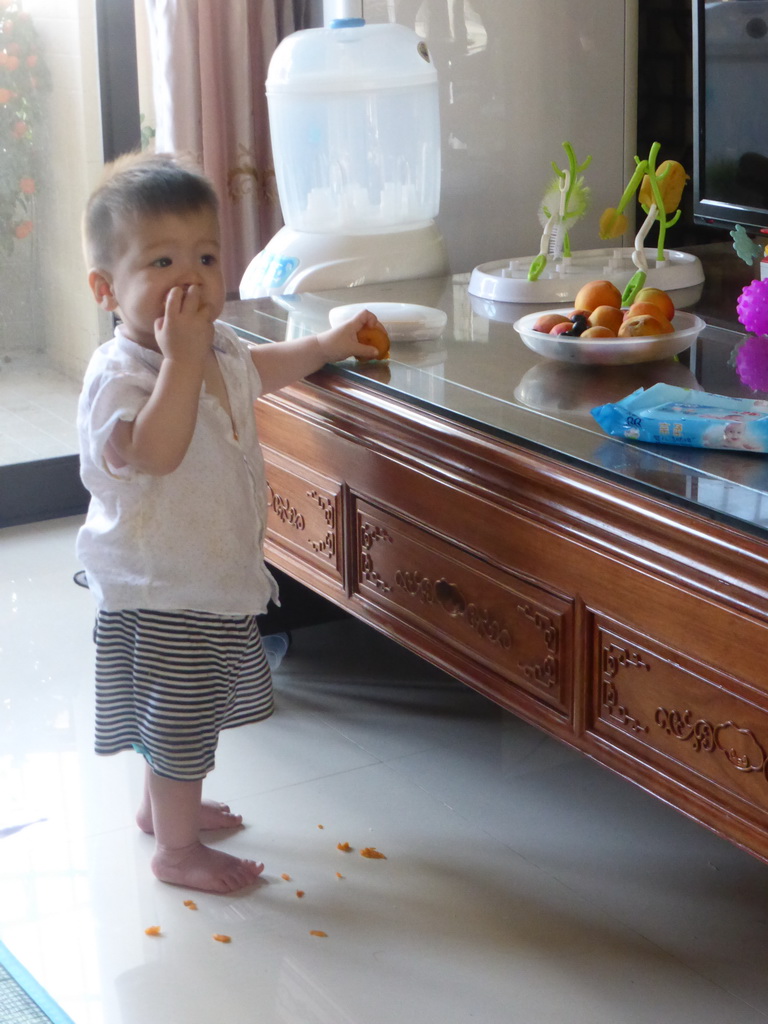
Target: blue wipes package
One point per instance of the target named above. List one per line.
(664, 414)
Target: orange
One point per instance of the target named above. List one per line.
(562, 327)
(648, 309)
(378, 338)
(547, 321)
(598, 332)
(644, 326)
(607, 316)
(643, 309)
(597, 293)
(659, 298)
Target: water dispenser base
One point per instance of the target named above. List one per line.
(299, 261)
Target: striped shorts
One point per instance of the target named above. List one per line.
(167, 683)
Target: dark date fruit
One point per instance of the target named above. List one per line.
(580, 324)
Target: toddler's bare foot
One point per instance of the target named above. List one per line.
(200, 867)
(213, 815)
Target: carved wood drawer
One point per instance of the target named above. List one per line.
(522, 633)
(683, 718)
(304, 514)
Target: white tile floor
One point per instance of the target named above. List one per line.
(38, 409)
(522, 883)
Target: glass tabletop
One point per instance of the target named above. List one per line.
(480, 373)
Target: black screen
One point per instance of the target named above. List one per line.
(730, 66)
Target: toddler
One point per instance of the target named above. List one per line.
(172, 543)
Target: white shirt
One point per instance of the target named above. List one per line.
(192, 539)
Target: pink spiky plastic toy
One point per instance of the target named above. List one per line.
(752, 363)
(752, 307)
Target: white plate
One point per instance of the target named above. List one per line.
(610, 351)
(403, 321)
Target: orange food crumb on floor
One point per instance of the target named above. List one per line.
(339, 874)
(319, 934)
(299, 893)
(153, 929)
(190, 904)
(321, 826)
(344, 847)
(286, 877)
(222, 938)
(372, 853)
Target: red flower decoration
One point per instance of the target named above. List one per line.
(24, 78)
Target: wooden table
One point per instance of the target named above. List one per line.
(462, 500)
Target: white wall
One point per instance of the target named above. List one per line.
(517, 79)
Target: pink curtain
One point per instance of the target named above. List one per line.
(209, 65)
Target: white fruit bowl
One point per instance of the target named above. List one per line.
(609, 351)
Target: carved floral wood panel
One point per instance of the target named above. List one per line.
(304, 516)
(519, 630)
(681, 714)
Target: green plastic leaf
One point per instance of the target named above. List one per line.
(634, 285)
(536, 267)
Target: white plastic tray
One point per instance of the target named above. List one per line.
(507, 280)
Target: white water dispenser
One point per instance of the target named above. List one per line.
(355, 130)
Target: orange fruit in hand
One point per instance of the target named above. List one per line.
(659, 298)
(378, 338)
(644, 326)
(597, 293)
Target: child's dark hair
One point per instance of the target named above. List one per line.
(140, 185)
